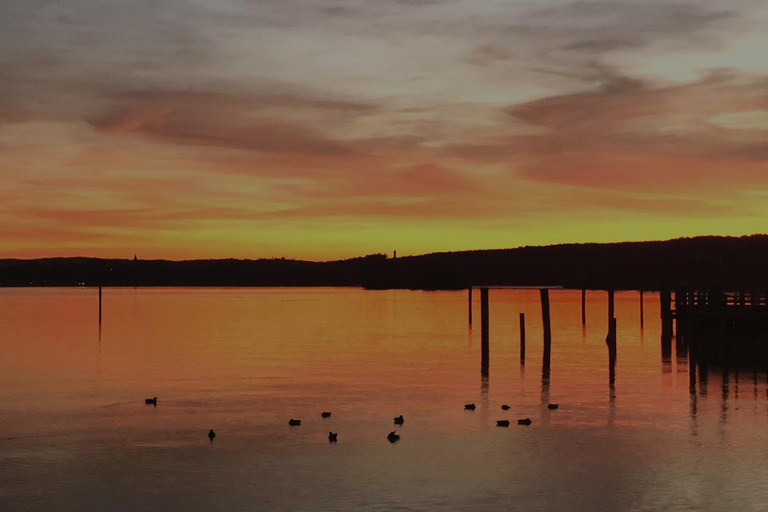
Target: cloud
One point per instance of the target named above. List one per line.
(250, 123)
(630, 133)
(604, 26)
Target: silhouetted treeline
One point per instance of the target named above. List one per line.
(732, 262)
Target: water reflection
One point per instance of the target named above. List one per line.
(239, 361)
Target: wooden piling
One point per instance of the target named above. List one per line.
(681, 314)
(642, 310)
(610, 340)
(484, 330)
(547, 328)
(469, 294)
(583, 307)
(665, 301)
(522, 338)
(99, 304)
(611, 307)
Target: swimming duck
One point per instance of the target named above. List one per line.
(150, 401)
(505, 407)
(502, 423)
(399, 420)
(325, 414)
(293, 422)
(332, 437)
(470, 407)
(211, 435)
(393, 438)
(526, 421)
(553, 406)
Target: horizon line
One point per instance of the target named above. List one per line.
(280, 258)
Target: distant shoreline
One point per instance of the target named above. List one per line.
(729, 261)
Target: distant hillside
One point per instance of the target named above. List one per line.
(730, 261)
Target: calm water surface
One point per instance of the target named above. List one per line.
(75, 434)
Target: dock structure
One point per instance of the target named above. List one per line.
(717, 327)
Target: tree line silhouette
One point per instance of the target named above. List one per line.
(733, 262)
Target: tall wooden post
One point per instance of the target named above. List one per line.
(547, 327)
(611, 307)
(665, 300)
(642, 310)
(469, 295)
(484, 330)
(681, 314)
(522, 338)
(583, 307)
(611, 342)
(99, 304)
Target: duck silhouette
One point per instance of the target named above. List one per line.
(505, 407)
(553, 406)
(150, 401)
(526, 421)
(211, 435)
(292, 422)
(332, 437)
(502, 423)
(393, 438)
(470, 407)
(399, 420)
(325, 414)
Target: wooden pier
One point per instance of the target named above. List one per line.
(716, 327)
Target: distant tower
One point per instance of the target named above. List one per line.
(395, 255)
(134, 258)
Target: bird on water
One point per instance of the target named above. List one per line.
(150, 401)
(292, 422)
(505, 407)
(211, 435)
(526, 421)
(325, 414)
(393, 438)
(553, 406)
(399, 420)
(332, 437)
(470, 407)
(502, 423)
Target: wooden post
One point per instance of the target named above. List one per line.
(547, 327)
(484, 330)
(522, 338)
(611, 342)
(583, 307)
(681, 313)
(665, 300)
(470, 305)
(611, 307)
(99, 304)
(642, 310)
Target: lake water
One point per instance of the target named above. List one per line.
(75, 434)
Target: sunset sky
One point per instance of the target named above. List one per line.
(324, 129)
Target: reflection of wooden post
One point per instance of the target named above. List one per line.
(484, 330)
(583, 307)
(522, 338)
(547, 327)
(470, 304)
(611, 307)
(642, 310)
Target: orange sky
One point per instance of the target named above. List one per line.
(325, 129)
